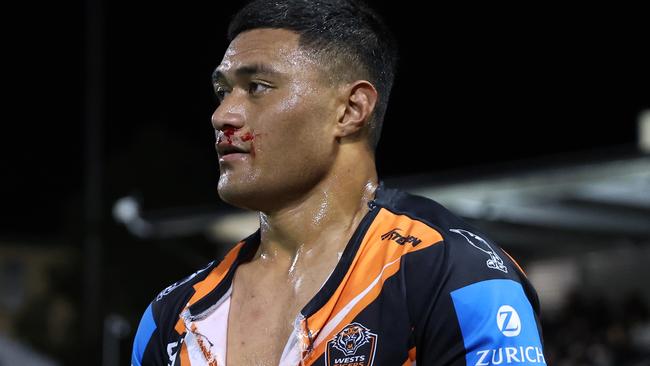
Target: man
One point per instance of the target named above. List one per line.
(342, 270)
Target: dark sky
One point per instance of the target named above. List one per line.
(475, 86)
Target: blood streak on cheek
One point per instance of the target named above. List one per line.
(250, 137)
(229, 133)
(247, 136)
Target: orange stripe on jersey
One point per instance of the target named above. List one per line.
(185, 357)
(515, 262)
(216, 275)
(367, 298)
(411, 358)
(203, 288)
(180, 326)
(388, 238)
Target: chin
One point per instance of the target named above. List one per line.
(232, 194)
(264, 193)
(239, 194)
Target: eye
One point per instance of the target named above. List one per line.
(256, 88)
(221, 93)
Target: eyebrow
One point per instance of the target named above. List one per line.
(246, 70)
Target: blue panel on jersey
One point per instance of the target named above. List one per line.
(145, 330)
(498, 324)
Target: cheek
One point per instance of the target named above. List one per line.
(250, 138)
(291, 102)
(295, 125)
(292, 136)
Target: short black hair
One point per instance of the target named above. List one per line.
(346, 34)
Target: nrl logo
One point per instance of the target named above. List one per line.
(494, 262)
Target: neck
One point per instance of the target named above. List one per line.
(323, 220)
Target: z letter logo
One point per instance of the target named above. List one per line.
(495, 262)
(508, 321)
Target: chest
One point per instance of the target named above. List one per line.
(262, 315)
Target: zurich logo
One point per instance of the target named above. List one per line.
(508, 321)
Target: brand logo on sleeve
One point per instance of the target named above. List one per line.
(521, 355)
(399, 238)
(494, 262)
(354, 345)
(509, 325)
(508, 321)
(503, 329)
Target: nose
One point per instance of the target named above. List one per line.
(228, 114)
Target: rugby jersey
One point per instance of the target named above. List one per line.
(415, 285)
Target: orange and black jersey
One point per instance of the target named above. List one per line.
(415, 285)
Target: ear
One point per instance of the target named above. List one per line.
(359, 100)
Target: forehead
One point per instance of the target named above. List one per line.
(277, 46)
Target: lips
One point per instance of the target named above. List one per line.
(233, 144)
(226, 148)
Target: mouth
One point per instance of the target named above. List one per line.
(227, 151)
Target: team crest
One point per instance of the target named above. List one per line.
(354, 345)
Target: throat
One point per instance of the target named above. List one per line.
(329, 213)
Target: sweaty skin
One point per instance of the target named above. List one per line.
(302, 160)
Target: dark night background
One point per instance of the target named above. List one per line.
(475, 87)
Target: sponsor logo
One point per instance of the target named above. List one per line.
(508, 321)
(354, 345)
(400, 239)
(507, 355)
(494, 262)
(502, 330)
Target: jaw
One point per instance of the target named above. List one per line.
(269, 190)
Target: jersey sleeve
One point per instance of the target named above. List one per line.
(158, 340)
(147, 347)
(477, 309)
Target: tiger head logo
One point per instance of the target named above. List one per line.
(352, 337)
